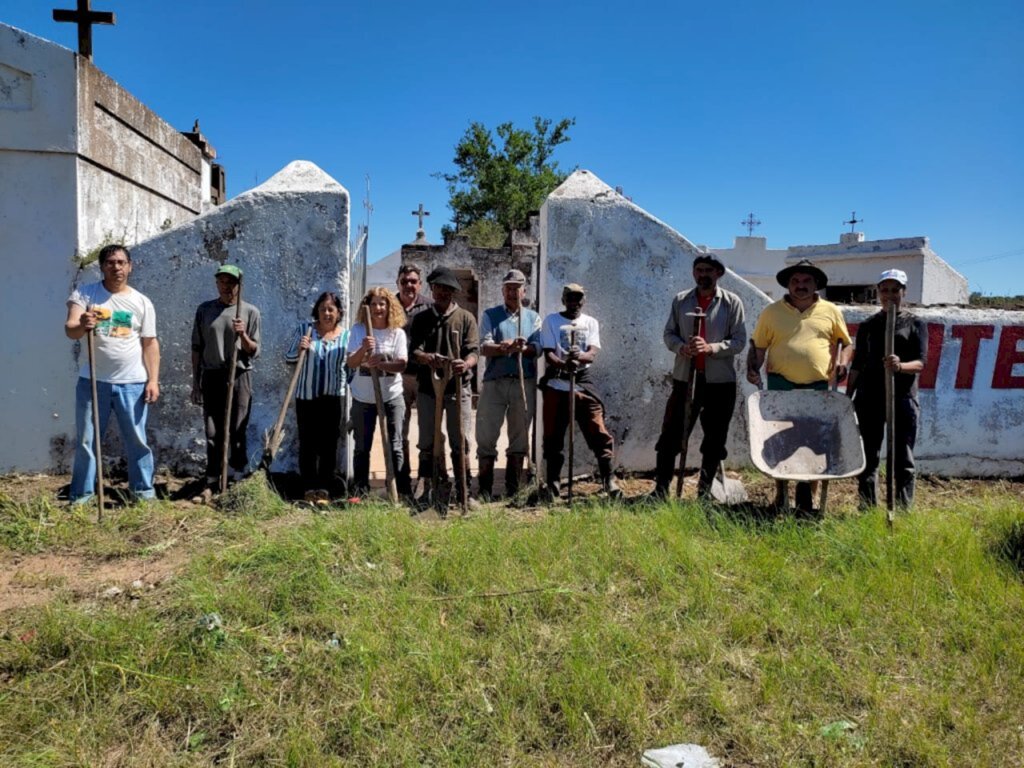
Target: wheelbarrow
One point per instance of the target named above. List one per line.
(804, 435)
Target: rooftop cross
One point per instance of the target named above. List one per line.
(750, 222)
(421, 213)
(854, 221)
(84, 17)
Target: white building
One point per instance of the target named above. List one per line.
(853, 265)
(82, 162)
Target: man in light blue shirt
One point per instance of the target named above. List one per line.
(510, 341)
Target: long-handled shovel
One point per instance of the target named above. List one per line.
(688, 421)
(522, 392)
(571, 329)
(439, 380)
(834, 385)
(460, 462)
(890, 417)
(229, 399)
(97, 438)
(273, 444)
(385, 438)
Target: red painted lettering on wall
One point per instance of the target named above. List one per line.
(1007, 356)
(971, 336)
(931, 369)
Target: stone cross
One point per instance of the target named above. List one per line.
(854, 221)
(750, 222)
(421, 213)
(84, 17)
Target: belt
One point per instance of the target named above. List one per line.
(365, 372)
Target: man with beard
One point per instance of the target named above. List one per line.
(867, 388)
(797, 334)
(567, 357)
(409, 283)
(708, 356)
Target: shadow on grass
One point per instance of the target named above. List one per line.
(1009, 545)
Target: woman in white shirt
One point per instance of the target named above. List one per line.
(386, 351)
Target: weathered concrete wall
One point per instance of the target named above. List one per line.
(38, 239)
(971, 393)
(290, 237)
(81, 160)
(632, 265)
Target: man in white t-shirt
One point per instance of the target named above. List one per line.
(127, 372)
(570, 354)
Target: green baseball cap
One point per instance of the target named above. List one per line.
(229, 269)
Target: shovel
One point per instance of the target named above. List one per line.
(727, 490)
(273, 441)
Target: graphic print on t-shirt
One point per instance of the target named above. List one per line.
(581, 339)
(117, 326)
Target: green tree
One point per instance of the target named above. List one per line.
(493, 190)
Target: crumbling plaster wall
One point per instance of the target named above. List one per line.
(632, 265)
(290, 238)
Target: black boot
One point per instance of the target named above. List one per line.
(664, 471)
(486, 479)
(513, 473)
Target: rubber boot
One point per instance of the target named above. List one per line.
(486, 479)
(608, 481)
(704, 480)
(513, 474)
(553, 487)
(665, 470)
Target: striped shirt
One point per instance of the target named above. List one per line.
(323, 371)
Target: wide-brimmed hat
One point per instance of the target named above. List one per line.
(893, 274)
(710, 258)
(229, 269)
(807, 268)
(444, 276)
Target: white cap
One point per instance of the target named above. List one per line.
(894, 274)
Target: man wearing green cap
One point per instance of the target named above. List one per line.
(215, 333)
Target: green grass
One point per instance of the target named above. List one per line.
(368, 638)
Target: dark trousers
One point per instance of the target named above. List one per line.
(589, 417)
(403, 471)
(215, 392)
(425, 403)
(871, 417)
(319, 423)
(714, 403)
(364, 424)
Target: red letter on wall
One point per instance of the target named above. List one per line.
(931, 369)
(971, 336)
(1008, 356)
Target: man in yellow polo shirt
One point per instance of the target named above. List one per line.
(797, 334)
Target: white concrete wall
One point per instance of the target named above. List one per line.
(632, 266)
(755, 262)
(38, 238)
(942, 284)
(971, 393)
(290, 238)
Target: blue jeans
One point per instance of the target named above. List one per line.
(364, 424)
(129, 407)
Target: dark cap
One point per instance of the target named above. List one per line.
(807, 268)
(515, 277)
(229, 269)
(710, 258)
(444, 276)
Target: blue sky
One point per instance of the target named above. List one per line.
(908, 112)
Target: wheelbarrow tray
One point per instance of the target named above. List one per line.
(804, 435)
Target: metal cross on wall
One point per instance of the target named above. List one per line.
(750, 222)
(854, 221)
(421, 213)
(84, 17)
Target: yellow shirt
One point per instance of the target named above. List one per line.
(799, 343)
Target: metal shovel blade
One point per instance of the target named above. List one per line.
(727, 490)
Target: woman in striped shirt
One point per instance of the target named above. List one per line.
(386, 351)
(318, 394)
